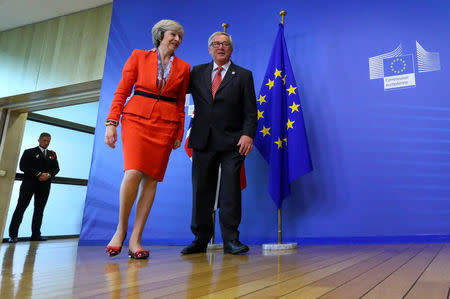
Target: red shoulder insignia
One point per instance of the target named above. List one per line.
(53, 154)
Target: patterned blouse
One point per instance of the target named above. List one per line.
(163, 73)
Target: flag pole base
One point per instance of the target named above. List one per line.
(213, 247)
(277, 247)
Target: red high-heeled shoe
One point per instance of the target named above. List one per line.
(114, 250)
(139, 255)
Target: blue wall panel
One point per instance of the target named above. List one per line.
(381, 158)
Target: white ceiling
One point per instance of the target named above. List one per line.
(16, 13)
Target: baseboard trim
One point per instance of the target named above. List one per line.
(25, 239)
(300, 241)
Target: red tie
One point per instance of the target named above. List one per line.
(216, 81)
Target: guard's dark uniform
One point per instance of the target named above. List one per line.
(33, 163)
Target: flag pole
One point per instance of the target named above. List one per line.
(216, 203)
(214, 226)
(280, 239)
(280, 247)
(212, 246)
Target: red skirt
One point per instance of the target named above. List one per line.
(147, 143)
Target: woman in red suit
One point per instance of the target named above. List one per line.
(152, 125)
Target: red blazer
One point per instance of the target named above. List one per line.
(140, 71)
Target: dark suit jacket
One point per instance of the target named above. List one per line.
(33, 162)
(219, 123)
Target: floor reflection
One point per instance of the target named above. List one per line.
(201, 272)
(211, 272)
(122, 275)
(18, 284)
(127, 283)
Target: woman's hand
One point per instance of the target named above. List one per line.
(177, 144)
(111, 136)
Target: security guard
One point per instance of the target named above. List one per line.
(40, 166)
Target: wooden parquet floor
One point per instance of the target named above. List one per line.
(61, 269)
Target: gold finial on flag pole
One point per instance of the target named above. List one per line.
(282, 14)
(225, 26)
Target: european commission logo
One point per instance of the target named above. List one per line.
(398, 69)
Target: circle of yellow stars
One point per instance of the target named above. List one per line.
(398, 61)
(294, 107)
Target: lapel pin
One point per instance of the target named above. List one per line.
(233, 73)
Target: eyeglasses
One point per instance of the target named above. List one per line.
(217, 44)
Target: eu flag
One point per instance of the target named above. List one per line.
(281, 136)
(398, 65)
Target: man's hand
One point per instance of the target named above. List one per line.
(245, 145)
(44, 177)
(111, 136)
(177, 144)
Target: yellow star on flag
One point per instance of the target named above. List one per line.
(265, 131)
(270, 84)
(279, 142)
(291, 90)
(277, 73)
(284, 80)
(285, 140)
(261, 99)
(289, 124)
(260, 114)
(294, 107)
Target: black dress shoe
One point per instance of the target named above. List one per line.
(39, 238)
(235, 247)
(194, 247)
(13, 240)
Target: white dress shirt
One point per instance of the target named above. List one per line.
(224, 70)
(43, 150)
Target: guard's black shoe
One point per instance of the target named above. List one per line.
(194, 247)
(235, 247)
(13, 240)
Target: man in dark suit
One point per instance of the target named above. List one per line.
(39, 166)
(222, 134)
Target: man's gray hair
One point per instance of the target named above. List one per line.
(162, 26)
(219, 33)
